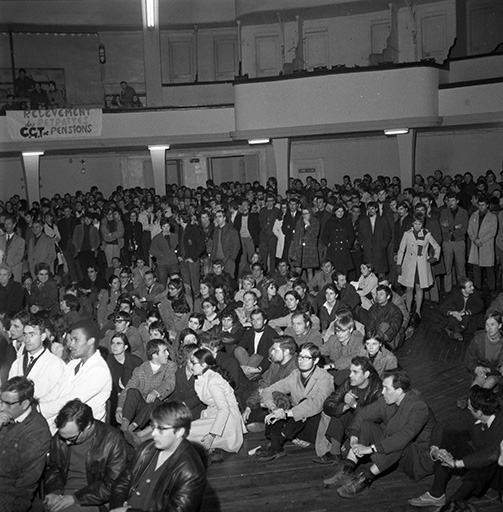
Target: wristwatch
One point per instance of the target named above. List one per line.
(373, 448)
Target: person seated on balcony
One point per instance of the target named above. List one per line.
(126, 95)
(10, 105)
(38, 97)
(57, 97)
(136, 103)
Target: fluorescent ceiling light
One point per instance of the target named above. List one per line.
(158, 147)
(33, 153)
(396, 131)
(259, 141)
(150, 9)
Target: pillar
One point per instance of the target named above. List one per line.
(152, 56)
(31, 167)
(407, 157)
(282, 158)
(158, 157)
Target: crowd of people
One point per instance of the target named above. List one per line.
(162, 329)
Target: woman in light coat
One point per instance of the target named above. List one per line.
(413, 263)
(220, 426)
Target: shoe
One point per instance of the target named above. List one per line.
(255, 427)
(427, 500)
(300, 443)
(457, 336)
(267, 455)
(342, 476)
(328, 459)
(215, 456)
(356, 486)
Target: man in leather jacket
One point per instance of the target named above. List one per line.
(167, 472)
(85, 458)
(362, 387)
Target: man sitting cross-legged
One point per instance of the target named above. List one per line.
(475, 454)
(362, 387)
(395, 428)
(151, 382)
(308, 387)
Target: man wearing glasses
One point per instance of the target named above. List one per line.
(167, 473)
(308, 386)
(85, 458)
(24, 442)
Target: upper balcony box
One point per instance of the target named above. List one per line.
(355, 97)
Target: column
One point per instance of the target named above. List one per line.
(282, 158)
(31, 167)
(158, 157)
(407, 157)
(152, 53)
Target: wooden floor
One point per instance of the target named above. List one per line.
(295, 483)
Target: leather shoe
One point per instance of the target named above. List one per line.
(356, 486)
(328, 459)
(342, 476)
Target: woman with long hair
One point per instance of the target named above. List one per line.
(220, 426)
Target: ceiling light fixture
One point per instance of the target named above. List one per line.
(33, 153)
(158, 147)
(396, 131)
(259, 141)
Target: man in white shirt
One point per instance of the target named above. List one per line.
(86, 377)
(37, 363)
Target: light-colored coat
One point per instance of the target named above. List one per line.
(483, 255)
(46, 374)
(408, 257)
(14, 256)
(221, 417)
(306, 401)
(44, 251)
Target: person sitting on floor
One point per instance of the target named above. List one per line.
(283, 356)
(308, 387)
(395, 428)
(452, 452)
(151, 382)
(462, 309)
(362, 387)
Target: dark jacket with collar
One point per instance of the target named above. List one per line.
(455, 302)
(181, 487)
(265, 343)
(192, 241)
(105, 460)
(23, 451)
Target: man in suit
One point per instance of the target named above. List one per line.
(146, 293)
(268, 239)
(24, 443)
(257, 342)
(11, 292)
(225, 243)
(41, 248)
(66, 227)
(190, 248)
(248, 226)
(292, 216)
(396, 428)
(38, 363)
(375, 236)
(475, 452)
(13, 247)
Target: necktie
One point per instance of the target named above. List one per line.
(77, 368)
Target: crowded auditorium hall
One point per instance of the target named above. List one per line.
(251, 255)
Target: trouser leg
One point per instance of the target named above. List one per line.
(448, 261)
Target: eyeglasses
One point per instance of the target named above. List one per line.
(304, 358)
(70, 440)
(160, 428)
(9, 404)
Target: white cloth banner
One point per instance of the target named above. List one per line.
(75, 123)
